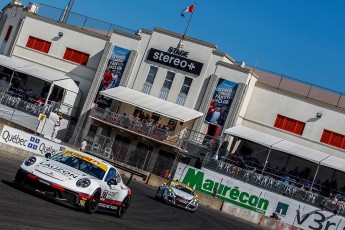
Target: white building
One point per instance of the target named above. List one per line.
(173, 85)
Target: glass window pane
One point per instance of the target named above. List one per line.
(152, 74)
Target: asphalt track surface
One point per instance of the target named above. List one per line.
(22, 210)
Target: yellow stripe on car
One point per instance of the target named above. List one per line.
(86, 158)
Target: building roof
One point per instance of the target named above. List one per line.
(151, 103)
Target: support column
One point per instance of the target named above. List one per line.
(153, 159)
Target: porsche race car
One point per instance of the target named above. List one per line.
(178, 194)
(77, 179)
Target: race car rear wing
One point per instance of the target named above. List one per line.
(131, 171)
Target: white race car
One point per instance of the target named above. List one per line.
(76, 179)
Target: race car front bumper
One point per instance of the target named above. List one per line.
(50, 190)
(180, 202)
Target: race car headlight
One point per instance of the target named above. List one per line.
(84, 182)
(30, 161)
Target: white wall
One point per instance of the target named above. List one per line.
(265, 104)
(54, 59)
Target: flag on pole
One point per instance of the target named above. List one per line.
(189, 9)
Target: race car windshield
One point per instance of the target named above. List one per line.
(79, 164)
(184, 189)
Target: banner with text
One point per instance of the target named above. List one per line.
(29, 142)
(113, 74)
(257, 199)
(221, 101)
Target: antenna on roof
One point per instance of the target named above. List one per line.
(66, 12)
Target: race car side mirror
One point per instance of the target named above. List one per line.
(112, 182)
(47, 155)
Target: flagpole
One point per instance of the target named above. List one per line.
(185, 32)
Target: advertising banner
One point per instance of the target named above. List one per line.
(257, 199)
(221, 102)
(29, 142)
(113, 73)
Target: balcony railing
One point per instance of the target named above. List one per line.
(279, 184)
(151, 130)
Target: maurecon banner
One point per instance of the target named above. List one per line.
(29, 142)
(257, 199)
(221, 101)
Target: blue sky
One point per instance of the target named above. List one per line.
(300, 39)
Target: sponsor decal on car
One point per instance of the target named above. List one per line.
(86, 158)
(58, 169)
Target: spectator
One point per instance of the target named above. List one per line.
(83, 145)
(56, 127)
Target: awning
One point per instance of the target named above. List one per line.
(44, 74)
(12, 63)
(253, 135)
(41, 73)
(334, 162)
(287, 147)
(151, 103)
(300, 151)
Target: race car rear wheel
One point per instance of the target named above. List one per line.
(91, 205)
(124, 206)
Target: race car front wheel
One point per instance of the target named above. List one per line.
(91, 205)
(124, 206)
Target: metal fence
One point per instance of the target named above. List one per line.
(146, 129)
(79, 20)
(283, 186)
(140, 158)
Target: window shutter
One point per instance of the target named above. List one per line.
(30, 43)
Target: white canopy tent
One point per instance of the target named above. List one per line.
(253, 135)
(300, 151)
(291, 148)
(72, 92)
(334, 162)
(151, 103)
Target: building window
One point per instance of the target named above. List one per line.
(38, 44)
(289, 124)
(149, 80)
(181, 98)
(332, 138)
(9, 30)
(167, 85)
(76, 56)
